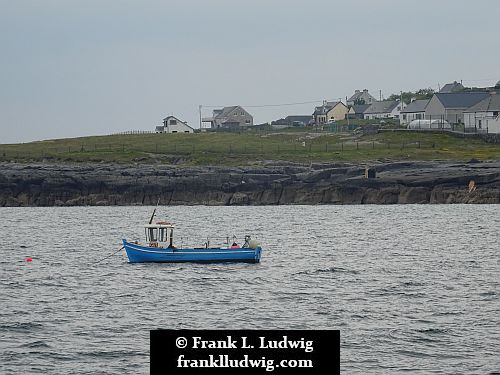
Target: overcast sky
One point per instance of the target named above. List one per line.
(71, 68)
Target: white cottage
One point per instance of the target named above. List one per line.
(384, 109)
(484, 117)
(172, 124)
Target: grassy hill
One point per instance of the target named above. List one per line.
(252, 147)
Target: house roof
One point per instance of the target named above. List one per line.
(325, 108)
(385, 106)
(460, 99)
(358, 94)
(452, 87)
(180, 121)
(224, 111)
(172, 116)
(360, 108)
(489, 104)
(416, 106)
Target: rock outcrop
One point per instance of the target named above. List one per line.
(272, 184)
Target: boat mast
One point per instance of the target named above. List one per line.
(154, 211)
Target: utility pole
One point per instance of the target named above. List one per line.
(199, 109)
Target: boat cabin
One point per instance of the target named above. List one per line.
(160, 234)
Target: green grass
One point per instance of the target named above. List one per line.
(252, 147)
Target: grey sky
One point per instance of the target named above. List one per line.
(71, 68)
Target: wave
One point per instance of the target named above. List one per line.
(20, 327)
(327, 270)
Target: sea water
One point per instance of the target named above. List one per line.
(412, 288)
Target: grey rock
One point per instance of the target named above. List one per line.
(276, 183)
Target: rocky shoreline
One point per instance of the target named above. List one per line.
(271, 184)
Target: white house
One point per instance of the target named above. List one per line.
(484, 116)
(172, 124)
(383, 109)
(413, 111)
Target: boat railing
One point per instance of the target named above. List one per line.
(208, 242)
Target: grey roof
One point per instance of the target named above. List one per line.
(416, 106)
(360, 108)
(382, 107)
(225, 111)
(356, 95)
(452, 87)
(460, 99)
(323, 110)
(488, 104)
(171, 116)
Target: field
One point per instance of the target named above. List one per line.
(215, 148)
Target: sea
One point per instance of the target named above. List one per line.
(413, 289)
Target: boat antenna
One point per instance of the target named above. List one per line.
(154, 211)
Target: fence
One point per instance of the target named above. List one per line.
(297, 149)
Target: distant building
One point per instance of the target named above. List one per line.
(451, 106)
(452, 87)
(290, 121)
(413, 111)
(383, 109)
(172, 124)
(358, 111)
(329, 111)
(484, 116)
(361, 97)
(229, 117)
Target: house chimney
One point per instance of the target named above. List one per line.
(365, 90)
(356, 91)
(324, 102)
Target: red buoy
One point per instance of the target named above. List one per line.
(29, 259)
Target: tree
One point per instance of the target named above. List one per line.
(409, 95)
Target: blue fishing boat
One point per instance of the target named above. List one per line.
(159, 247)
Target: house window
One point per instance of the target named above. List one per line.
(479, 123)
(247, 121)
(173, 122)
(174, 131)
(404, 117)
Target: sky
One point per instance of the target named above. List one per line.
(74, 68)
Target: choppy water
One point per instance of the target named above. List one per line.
(411, 288)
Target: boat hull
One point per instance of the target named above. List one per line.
(141, 254)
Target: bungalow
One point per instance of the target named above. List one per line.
(289, 121)
(484, 116)
(383, 109)
(172, 124)
(361, 97)
(413, 111)
(329, 111)
(451, 106)
(358, 111)
(230, 117)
